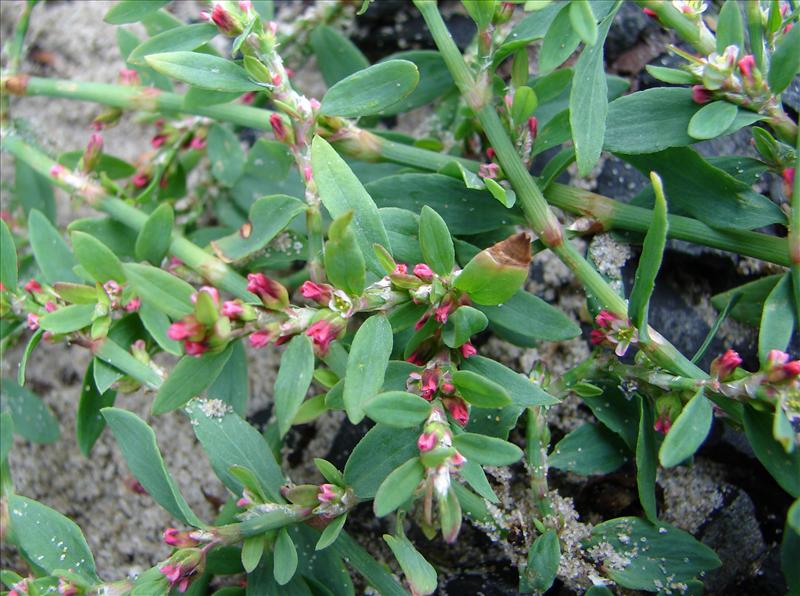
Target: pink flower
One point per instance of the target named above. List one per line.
(597, 336)
(468, 350)
(443, 311)
(322, 333)
(245, 5)
(198, 143)
(243, 502)
(605, 318)
(133, 304)
(128, 76)
(700, 94)
(260, 338)
(458, 410)
(173, 537)
(429, 383)
(448, 388)
(533, 127)
(140, 179)
(422, 320)
(33, 287)
(186, 329)
(157, 141)
(273, 295)
(416, 358)
(426, 442)
(662, 424)
(315, 105)
(746, 65)
(457, 459)
(231, 309)
(488, 170)
(57, 170)
(320, 293)
(422, 271)
(788, 181)
(327, 493)
(650, 13)
(223, 20)
(211, 291)
(792, 368)
(66, 587)
(195, 348)
(308, 174)
(278, 126)
(248, 97)
(49, 306)
(33, 321)
(723, 366)
(180, 575)
(400, 269)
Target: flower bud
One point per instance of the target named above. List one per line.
(94, 149)
(422, 271)
(319, 293)
(322, 333)
(278, 127)
(700, 94)
(225, 20)
(467, 350)
(261, 338)
(273, 295)
(722, 367)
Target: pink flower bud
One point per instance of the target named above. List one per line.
(243, 502)
(308, 174)
(32, 286)
(792, 368)
(185, 329)
(788, 181)
(421, 323)
(94, 149)
(533, 127)
(448, 388)
(723, 366)
(458, 410)
(457, 459)
(416, 358)
(468, 350)
(662, 424)
(171, 536)
(650, 13)
(327, 493)
(278, 126)
(426, 442)
(429, 384)
(260, 338)
(746, 65)
(223, 19)
(490, 153)
(245, 5)
(597, 336)
(57, 170)
(400, 269)
(49, 306)
(140, 180)
(195, 348)
(66, 587)
(248, 98)
(700, 94)
(320, 293)
(273, 295)
(133, 305)
(231, 309)
(422, 271)
(315, 105)
(488, 170)
(128, 76)
(158, 140)
(605, 318)
(211, 291)
(443, 311)
(322, 333)
(33, 321)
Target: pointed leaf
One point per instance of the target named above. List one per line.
(89, 422)
(202, 70)
(783, 467)
(293, 381)
(688, 431)
(435, 242)
(32, 419)
(583, 22)
(52, 254)
(170, 294)
(381, 450)
(94, 256)
(344, 262)
(398, 486)
(646, 461)
(189, 378)
(463, 324)
(337, 56)
(371, 90)
(420, 574)
(785, 62)
(187, 37)
(398, 408)
(8, 258)
(730, 29)
(155, 237)
(131, 11)
(712, 120)
(331, 532)
(487, 451)
(285, 563)
(543, 560)
(366, 365)
(777, 319)
(479, 390)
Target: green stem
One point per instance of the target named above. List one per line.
(207, 265)
(794, 232)
(687, 29)
(541, 219)
(15, 51)
(756, 31)
(537, 441)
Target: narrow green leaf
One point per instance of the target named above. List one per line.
(525, 319)
(94, 256)
(487, 451)
(371, 90)
(155, 237)
(285, 563)
(226, 155)
(712, 120)
(293, 381)
(50, 541)
(583, 21)
(29, 348)
(33, 420)
(587, 450)
(366, 365)
(785, 62)
(337, 56)
(89, 423)
(688, 432)
(137, 441)
(156, 323)
(670, 75)
(170, 294)
(341, 192)
(187, 37)
(8, 258)
(230, 441)
(650, 260)
(381, 450)
(420, 574)
(33, 191)
(559, 42)
(783, 467)
(203, 70)
(777, 319)
(543, 560)
(111, 353)
(434, 80)
(375, 574)
(344, 262)
(398, 486)
(329, 471)
(730, 29)
(479, 390)
(646, 461)
(188, 379)
(52, 254)
(131, 11)
(68, 318)
(524, 393)
(331, 532)
(435, 242)
(398, 408)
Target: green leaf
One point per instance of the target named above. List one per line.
(226, 155)
(33, 420)
(583, 22)
(434, 80)
(156, 323)
(616, 411)
(137, 441)
(398, 408)
(337, 56)
(751, 304)
(366, 365)
(783, 467)
(68, 318)
(785, 62)
(233, 385)
(587, 450)
(688, 432)
(52, 254)
(777, 319)
(487, 451)
(420, 574)
(435, 242)
(293, 381)
(285, 563)
(730, 29)
(8, 258)
(132, 11)
(655, 119)
(6, 436)
(252, 551)
(398, 487)
(268, 217)
(331, 532)
(712, 120)
(111, 353)
(50, 541)
(118, 237)
(188, 379)
(463, 324)
(230, 441)
(203, 70)
(524, 393)
(381, 450)
(646, 460)
(371, 90)
(670, 75)
(89, 423)
(33, 191)
(480, 391)
(506, 196)
(671, 555)
(481, 11)
(790, 548)
(588, 100)
(543, 560)
(650, 261)
(187, 37)
(155, 237)
(344, 262)
(341, 192)
(94, 256)
(169, 294)
(559, 41)
(530, 319)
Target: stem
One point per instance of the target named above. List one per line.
(367, 146)
(537, 439)
(687, 29)
(207, 265)
(794, 233)
(756, 31)
(534, 206)
(15, 52)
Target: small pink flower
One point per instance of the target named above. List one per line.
(723, 366)
(788, 181)
(210, 290)
(277, 80)
(488, 170)
(128, 76)
(243, 502)
(421, 323)
(248, 98)
(322, 333)
(195, 348)
(457, 459)
(231, 309)
(605, 318)
(315, 105)
(533, 127)
(700, 94)
(133, 305)
(272, 294)
(33, 287)
(327, 493)
(245, 5)
(468, 350)
(140, 179)
(33, 321)
(308, 174)
(185, 329)
(66, 588)
(278, 126)
(49, 306)
(650, 13)
(400, 269)
(662, 424)
(792, 368)
(426, 442)
(458, 410)
(416, 358)
(198, 143)
(429, 383)
(422, 271)
(448, 388)
(746, 65)
(320, 293)
(260, 338)
(112, 288)
(597, 336)
(157, 141)
(223, 20)
(171, 536)
(443, 311)
(57, 170)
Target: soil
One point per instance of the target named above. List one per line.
(725, 499)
